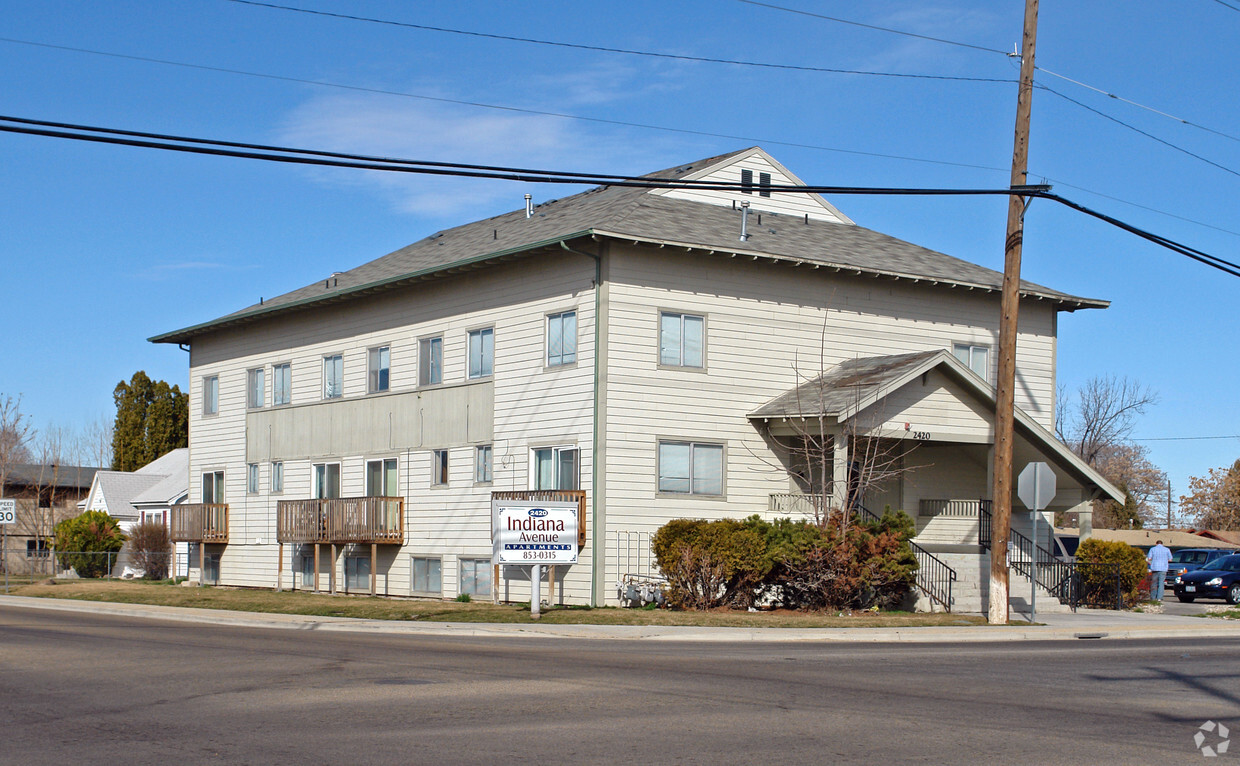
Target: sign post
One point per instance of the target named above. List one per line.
(534, 534)
(1036, 489)
(8, 515)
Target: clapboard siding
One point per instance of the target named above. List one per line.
(530, 405)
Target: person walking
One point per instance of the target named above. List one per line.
(1159, 559)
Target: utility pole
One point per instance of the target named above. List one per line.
(1005, 399)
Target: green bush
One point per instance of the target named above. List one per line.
(1099, 581)
(710, 563)
(84, 542)
(799, 564)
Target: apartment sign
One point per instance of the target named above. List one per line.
(525, 532)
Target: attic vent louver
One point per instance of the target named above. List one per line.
(746, 182)
(764, 184)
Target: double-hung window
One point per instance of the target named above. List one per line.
(277, 476)
(690, 468)
(255, 388)
(211, 395)
(378, 366)
(562, 338)
(281, 384)
(481, 352)
(251, 482)
(333, 376)
(213, 487)
(976, 358)
(482, 464)
(681, 340)
(326, 481)
(555, 468)
(381, 478)
(430, 361)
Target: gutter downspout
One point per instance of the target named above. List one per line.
(597, 548)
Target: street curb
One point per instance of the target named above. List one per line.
(1089, 628)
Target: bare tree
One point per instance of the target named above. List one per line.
(1102, 416)
(15, 434)
(1097, 426)
(1214, 499)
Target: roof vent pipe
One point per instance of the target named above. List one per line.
(744, 222)
(529, 206)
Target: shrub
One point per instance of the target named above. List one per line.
(800, 564)
(710, 563)
(84, 541)
(150, 549)
(1099, 581)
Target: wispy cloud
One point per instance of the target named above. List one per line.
(426, 130)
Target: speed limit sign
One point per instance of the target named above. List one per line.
(8, 511)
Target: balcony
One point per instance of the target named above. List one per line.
(970, 508)
(199, 523)
(342, 520)
(794, 505)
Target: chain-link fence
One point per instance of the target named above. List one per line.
(24, 565)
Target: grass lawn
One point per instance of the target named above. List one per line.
(365, 607)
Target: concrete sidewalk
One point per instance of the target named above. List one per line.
(1083, 625)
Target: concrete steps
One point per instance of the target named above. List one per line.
(970, 592)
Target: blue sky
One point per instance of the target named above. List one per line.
(105, 246)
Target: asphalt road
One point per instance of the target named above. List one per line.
(123, 690)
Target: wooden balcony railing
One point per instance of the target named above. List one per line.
(577, 496)
(341, 520)
(199, 523)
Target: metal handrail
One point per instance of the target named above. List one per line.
(1061, 579)
(934, 576)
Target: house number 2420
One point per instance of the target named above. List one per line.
(921, 435)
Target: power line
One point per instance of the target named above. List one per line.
(596, 120)
(624, 51)
(362, 162)
(877, 28)
(498, 107)
(957, 43)
(1185, 438)
(1135, 129)
(1227, 5)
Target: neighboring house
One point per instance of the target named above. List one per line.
(626, 346)
(46, 494)
(1145, 538)
(147, 494)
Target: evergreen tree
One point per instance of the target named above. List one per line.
(151, 419)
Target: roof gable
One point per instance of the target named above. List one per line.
(760, 166)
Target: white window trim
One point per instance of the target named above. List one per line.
(253, 479)
(421, 371)
(469, 348)
(547, 338)
(477, 455)
(314, 484)
(274, 365)
(970, 349)
(271, 477)
(369, 350)
(413, 573)
(435, 474)
(723, 468)
(249, 388)
(215, 408)
(323, 366)
(658, 340)
(393, 491)
(557, 448)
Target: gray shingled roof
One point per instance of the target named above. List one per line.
(119, 488)
(635, 215)
(840, 388)
(42, 475)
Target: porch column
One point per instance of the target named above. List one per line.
(316, 567)
(280, 568)
(331, 577)
(839, 472)
(373, 555)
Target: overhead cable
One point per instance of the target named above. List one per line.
(624, 51)
(334, 159)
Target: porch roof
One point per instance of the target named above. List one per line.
(851, 386)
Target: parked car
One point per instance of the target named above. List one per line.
(1220, 580)
(1189, 559)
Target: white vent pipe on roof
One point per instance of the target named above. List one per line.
(529, 206)
(744, 222)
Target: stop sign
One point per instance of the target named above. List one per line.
(1036, 486)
